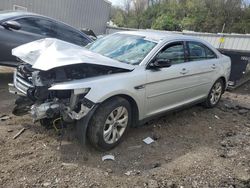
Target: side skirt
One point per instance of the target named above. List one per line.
(177, 109)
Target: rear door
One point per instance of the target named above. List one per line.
(203, 66)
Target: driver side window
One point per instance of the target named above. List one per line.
(173, 52)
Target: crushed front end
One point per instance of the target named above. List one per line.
(35, 97)
(49, 62)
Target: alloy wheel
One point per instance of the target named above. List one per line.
(216, 93)
(115, 125)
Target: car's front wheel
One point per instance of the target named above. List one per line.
(215, 94)
(109, 123)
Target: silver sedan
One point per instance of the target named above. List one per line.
(119, 81)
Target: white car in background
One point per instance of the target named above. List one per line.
(121, 80)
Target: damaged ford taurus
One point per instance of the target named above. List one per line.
(119, 81)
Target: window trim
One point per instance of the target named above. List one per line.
(165, 45)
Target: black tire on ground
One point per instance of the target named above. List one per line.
(95, 132)
(208, 103)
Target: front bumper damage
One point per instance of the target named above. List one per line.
(19, 85)
(76, 109)
(69, 109)
(57, 108)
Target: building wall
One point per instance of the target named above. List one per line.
(93, 14)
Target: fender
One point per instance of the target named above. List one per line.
(82, 125)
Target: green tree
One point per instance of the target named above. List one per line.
(117, 16)
(165, 22)
(195, 15)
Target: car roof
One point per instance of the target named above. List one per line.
(158, 36)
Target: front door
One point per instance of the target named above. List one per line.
(167, 88)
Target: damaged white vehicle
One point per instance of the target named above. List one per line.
(120, 81)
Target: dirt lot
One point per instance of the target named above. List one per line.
(195, 147)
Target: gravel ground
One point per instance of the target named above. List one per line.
(195, 147)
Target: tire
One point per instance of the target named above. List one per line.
(109, 124)
(215, 94)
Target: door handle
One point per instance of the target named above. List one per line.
(184, 71)
(213, 66)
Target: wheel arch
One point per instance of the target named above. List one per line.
(224, 82)
(83, 124)
(134, 107)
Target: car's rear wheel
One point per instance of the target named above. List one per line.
(109, 123)
(215, 94)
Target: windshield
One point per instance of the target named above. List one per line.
(125, 48)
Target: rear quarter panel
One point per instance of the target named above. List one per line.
(225, 62)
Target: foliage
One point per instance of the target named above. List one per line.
(195, 15)
(165, 22)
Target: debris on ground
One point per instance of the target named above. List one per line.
(148, 140)
(128, 173)
(217, 117)
(4, 117)
(108, 157)
(19, 133)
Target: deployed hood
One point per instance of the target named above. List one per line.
(49, 53)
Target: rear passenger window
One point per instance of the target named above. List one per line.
(198, 51)
(70, 35)
(173, 52)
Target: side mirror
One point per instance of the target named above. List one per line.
(160, 63)
(11, 25)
